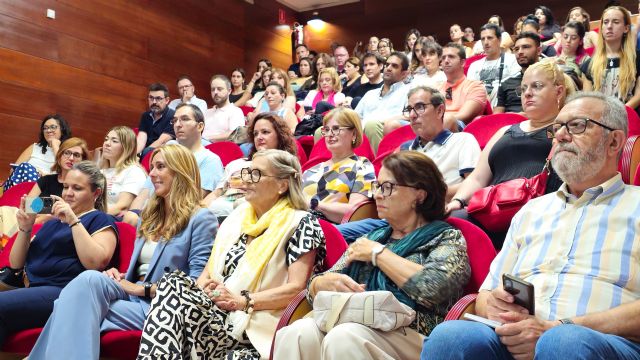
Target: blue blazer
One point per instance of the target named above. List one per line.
(188, 251)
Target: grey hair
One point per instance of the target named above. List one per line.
(287, 166)
(437, 98)
(96, 180)
(614, 113)
(197, 113)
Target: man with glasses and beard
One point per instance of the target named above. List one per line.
(527, 50)
(155, 125)
(579, 249)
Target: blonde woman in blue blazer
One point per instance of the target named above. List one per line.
(176, 233)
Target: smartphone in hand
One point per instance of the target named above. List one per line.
(521, 290)
(38, 205)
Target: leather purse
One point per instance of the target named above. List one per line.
(376, 309)
(11, 279)
(494, 206)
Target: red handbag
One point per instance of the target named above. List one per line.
(494, 206)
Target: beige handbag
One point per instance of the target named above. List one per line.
(375, 309)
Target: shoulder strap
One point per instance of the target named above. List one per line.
(500, 71)
(338, 301)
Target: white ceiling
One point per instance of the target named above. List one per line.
(306, 5)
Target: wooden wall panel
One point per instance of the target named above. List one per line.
(93, 63)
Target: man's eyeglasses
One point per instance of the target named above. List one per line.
(448, 94)
(574, 127)
(156, 99)
(419, 109)
(249, 175)
(535, 87)
(333, 131)
(51, 127)
(180, 120)
(184, 87)
(71, 154)
(386, 188)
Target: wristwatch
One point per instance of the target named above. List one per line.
(147, 290)
(375, 252)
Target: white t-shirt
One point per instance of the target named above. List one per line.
(434, 81)
(130, 179)
(222, 120)
(487, 71)
(194, 100)
(479, 49)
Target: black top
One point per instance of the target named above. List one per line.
(521, 154)
(350, 90)
(49, 185)
(547, 33)
(507, 96)
(295, 68)
(234, 98)
(156, 128)
(363, 88)
(549, 51)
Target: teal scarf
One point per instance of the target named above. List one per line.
(403, 248)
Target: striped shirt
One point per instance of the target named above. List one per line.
(582, 255)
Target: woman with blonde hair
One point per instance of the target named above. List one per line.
(520, 150)
(176, 233)
(119, 164)
(613, 68)
(327, 92)
(262, 257)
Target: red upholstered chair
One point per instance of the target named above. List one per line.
(302, 155)
(320, 153)
(307, 142)
(488, 110)
(481, 253)
(246, 109)
(146, 161)
(634, 122)
(471, 60)
(12, 196)
(226, 150)
(391, 142)
(484, 127)
(114, 344)
(363, 210)
(630, 159)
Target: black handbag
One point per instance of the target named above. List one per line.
(11, 279)
(308, 125)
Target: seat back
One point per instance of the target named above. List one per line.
(630, 159)
(146, 161)
(226, 150)
(335, 244)
(363, 210)
(127, 237)
(12, 196)
(480, 251)
(633, 121)
(302, 156)
(484, 127)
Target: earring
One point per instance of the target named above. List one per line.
(353, 142)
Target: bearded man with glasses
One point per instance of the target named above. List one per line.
(155, 127)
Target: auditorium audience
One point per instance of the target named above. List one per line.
(262, 257)
(187, 93)
(38, 158)
(332, 187)
(417, 256)
(176, 233)
(582, 309)
(268, 131)
(155, 129)
(223, 117)
(80, 237)
(238, 87)
(125, 177)
(613, 68)
(582, 16)
(549, 30)
(520, 150)
(465, 98)
(527, 51)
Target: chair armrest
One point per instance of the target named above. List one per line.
(362, 210)
(297, 308)
(467, 304)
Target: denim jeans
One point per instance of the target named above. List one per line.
(351, 231)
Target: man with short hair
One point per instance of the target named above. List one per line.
(457, 36)
(527, 50)
(155, 125)
(372, 65)
(187, 93)
(224, 117)
(497, 66)
(302, 51)
(341, 55)
(379, 106)
(578, 246)
(465, 98)
(532, 25)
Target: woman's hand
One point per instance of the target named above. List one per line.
(131, 288)
(62, 210)
(361, 250)
(225, 299)
(54, 143)
(452, 206)
(114, 274)
(335, 282)
(256, 76)
(25, 221)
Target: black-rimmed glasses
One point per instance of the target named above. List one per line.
(386, 187)
(419, 109)
(71, 154)
(249, 175)
(574, 127)
(334, 130)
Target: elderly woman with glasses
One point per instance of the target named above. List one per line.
(262, 257)
(417, 256)
(334, 186)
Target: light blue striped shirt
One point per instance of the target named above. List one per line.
(581, 254)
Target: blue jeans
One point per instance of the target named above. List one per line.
(460, 339)
(353, 230)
